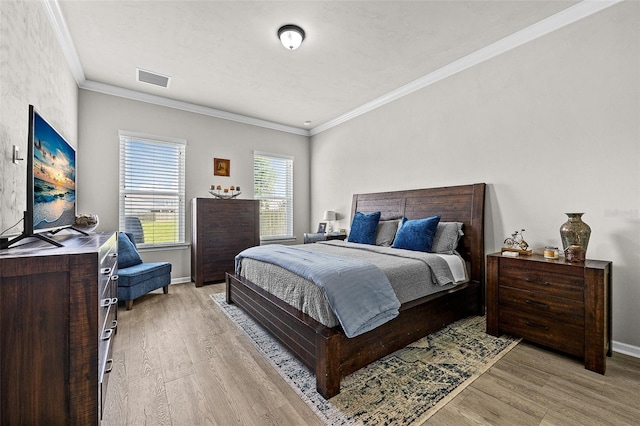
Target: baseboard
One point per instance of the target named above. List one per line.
(625, 349)
(180, 280)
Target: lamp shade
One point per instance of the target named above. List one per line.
(329, 215)
(291, 36)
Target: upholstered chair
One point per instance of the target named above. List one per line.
(136, 277)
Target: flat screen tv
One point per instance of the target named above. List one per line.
(51, 182)
(54, 177)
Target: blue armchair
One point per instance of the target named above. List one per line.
(136, 278)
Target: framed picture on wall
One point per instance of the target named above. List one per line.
(221, 167)
(322, 227)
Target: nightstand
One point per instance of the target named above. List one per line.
(312, 238)
(561, 305)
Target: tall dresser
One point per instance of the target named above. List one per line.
(220, 230)
(58, 316)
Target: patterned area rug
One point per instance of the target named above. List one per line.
(406, 387)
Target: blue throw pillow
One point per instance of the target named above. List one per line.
(363, 228)
(127, 253)
(417, 235)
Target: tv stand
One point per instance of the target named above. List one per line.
(68, 227)
(9, 243)
(28, 232)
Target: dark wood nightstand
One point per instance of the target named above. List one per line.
(312, 238)
(562, 305)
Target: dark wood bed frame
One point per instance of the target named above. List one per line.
(327, 351)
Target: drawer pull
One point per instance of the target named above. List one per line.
(114, 324)
(533, 302)
(108, 366)
(106, 335)
(105, 271)
(114, 254)
(105, 302)
(114, 301)
(529, 280)
(115, 277)
(530, 324)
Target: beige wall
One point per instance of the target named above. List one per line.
(100, 118)
(33, 71)
(551, 127)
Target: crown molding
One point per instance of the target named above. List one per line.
(561, 19)
(189, 107)
(59, 26)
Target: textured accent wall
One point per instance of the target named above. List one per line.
(33, 70)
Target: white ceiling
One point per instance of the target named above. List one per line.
(225, 56)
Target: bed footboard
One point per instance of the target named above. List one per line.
(315, 345)
(327, 351)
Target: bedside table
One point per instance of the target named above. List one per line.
(562, 305)
(312, 238)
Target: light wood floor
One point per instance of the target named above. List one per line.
(179, 361)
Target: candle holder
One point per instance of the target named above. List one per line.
(227, 194)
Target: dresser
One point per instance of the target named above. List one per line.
(220, 229)
(58, 316)
(561, 305)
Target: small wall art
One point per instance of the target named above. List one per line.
(221, 167)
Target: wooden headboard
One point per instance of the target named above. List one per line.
(464, 203)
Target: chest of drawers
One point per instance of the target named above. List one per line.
(58, 320)
(220, 230)
(561, 305)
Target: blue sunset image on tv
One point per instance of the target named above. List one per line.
(54, 176)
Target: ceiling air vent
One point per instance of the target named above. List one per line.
(153, 78)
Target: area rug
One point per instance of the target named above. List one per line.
(404, 388)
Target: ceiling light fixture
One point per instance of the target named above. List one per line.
(291, 36)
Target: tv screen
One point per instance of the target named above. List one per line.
(54, 177)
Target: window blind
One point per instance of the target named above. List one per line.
(152, 188)
(273, 186)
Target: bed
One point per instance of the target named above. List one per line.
(327, 351)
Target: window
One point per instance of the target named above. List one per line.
(152, 200)
(273, 186)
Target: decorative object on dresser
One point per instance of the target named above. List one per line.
(215, 191)
(575, 237)
(86, 222)
(516, 244)
(562, 305)
(135, 277)
(220, 230)
(58, 319)
(327, 351)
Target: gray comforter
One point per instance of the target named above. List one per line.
(358, 292)
(412, 275)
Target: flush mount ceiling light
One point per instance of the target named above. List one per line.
(291, 36)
